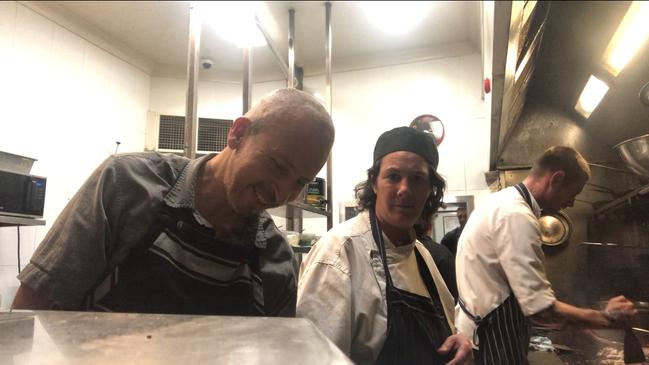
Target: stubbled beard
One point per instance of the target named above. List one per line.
(237, 211)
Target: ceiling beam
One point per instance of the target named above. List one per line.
(271, 45)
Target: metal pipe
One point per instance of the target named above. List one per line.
(269, 41)
(611, 168)
(247, 78)
(482, 48)
(291, 49)
(293, 215)
(328, 98)
(626, 198)
(191, 120)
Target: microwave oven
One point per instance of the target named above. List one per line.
(21, 195)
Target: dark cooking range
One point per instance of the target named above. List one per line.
(591, 347)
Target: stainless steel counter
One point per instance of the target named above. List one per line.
(589, 347)
(55, 337)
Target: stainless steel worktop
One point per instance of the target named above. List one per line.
(56, 337)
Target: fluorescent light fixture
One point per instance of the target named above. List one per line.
(590, 97)
(628, 38)
(396, 17)
(233, 21)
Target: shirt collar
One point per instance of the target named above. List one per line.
(390, 245)
(535, 207)
(182, 193)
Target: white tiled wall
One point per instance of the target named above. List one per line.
(65, 102)
(369, 102)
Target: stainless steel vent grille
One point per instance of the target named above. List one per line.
(171, 134)
(213, 134)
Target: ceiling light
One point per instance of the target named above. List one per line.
(590, 97)
(396, 17)
(319, 96)
(233, 21)
(628, 38)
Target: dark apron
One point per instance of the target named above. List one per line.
(417, 326)
(503, 335)
(148, 283)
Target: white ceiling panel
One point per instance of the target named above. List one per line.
(158, 30)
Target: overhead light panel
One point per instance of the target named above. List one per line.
(396, 17)
(628, 38)
(234, 21)
(591, 96)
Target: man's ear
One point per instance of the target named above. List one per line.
(239, 130)
(557, 178)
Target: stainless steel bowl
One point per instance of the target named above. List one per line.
(635, 154)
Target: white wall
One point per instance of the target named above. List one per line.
(369, 102)
(366, 103)
(64, 102)
(220, 100)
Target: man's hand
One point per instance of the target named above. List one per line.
(620, 311)
(462, 347)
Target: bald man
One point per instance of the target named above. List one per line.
(157, 233)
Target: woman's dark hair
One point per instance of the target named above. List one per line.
(367, 198)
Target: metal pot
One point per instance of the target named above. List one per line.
(556, 228)
(635, 154)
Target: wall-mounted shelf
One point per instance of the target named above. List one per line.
(11, 221)
(294, 212)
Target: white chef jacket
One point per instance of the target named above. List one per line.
(341, 287)
(499, 253)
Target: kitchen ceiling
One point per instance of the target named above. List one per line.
(158, 31)
(576, 36)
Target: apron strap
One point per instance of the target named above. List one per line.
(427, 278)
(436, 301)
(522, 189)
(476, 319)
(378, 238)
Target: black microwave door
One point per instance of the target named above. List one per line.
(12, 192)
(21, 194)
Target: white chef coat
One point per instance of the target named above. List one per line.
(341, 287)
(499, 254)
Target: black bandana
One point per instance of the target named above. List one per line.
(407, 139)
